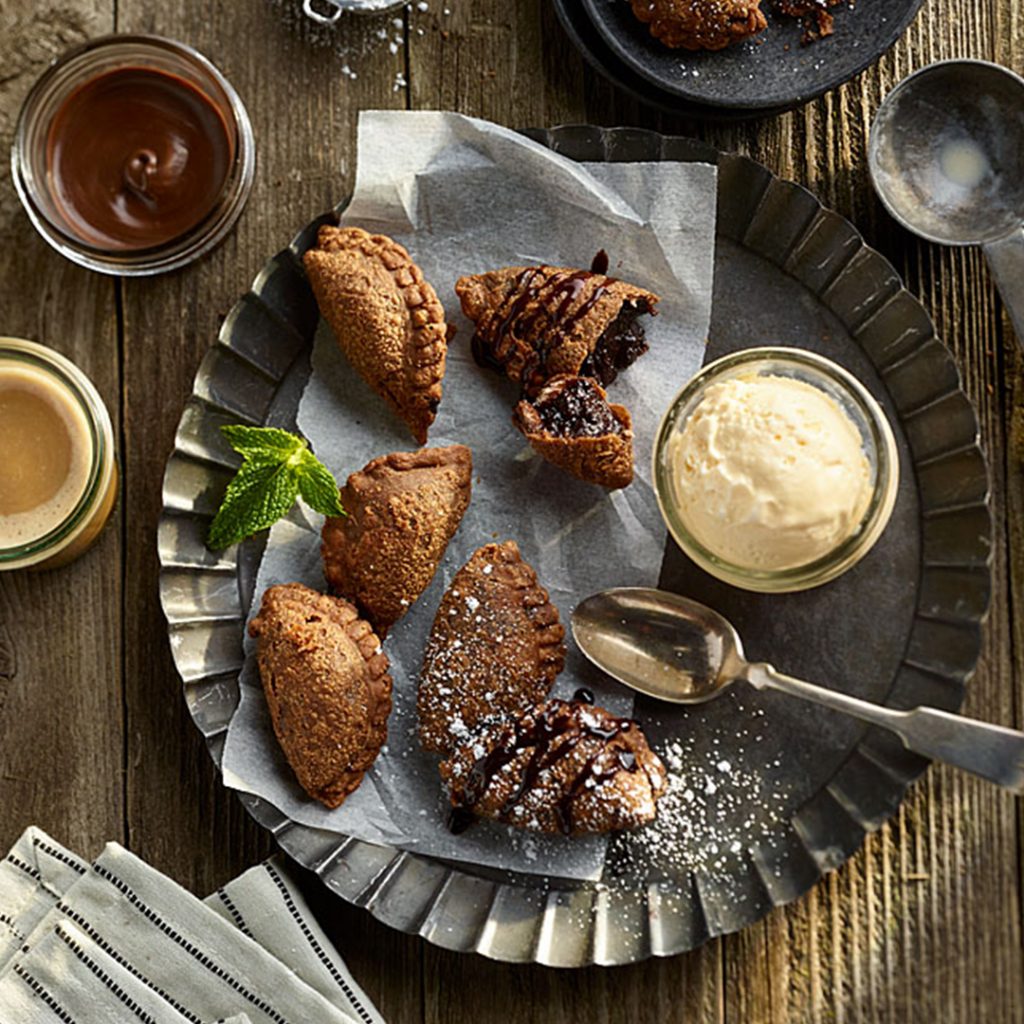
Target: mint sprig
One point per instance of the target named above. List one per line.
(278, 467)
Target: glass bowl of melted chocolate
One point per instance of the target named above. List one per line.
(133, 155)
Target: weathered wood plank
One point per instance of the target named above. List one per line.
(60, 685)
(303, 108)
(923, 925)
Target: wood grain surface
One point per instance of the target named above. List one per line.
(923, 925)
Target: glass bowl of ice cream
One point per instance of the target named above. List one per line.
(775, 469)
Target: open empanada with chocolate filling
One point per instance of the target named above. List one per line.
(327, 687)
(564, 767)
(495, 648)
(534, 323)
(402, 510)
(386, 317)
(571, 424)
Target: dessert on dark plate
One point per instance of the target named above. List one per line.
(571, 424)
(327, 687)
(701, 24)
(402, 510)
(563, 766)
(495, 648)
(533, 323)
(814, 17)
(386, 317)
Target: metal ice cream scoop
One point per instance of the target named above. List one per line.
(674, 649)
(947, 159)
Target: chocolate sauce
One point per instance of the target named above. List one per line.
(459, 819)
(576, 409)
(621, 344)
(584, 696)
(550, 737)
(599, 264)
(541, 309)
(137, 157)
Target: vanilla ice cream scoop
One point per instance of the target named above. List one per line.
(769, 472)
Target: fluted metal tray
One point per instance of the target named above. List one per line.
(906, 629)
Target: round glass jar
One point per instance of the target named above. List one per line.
(877, 443)
(68, 77)
(76, 530)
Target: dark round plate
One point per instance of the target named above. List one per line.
(902, 628)
(773, 71)
(586, 38)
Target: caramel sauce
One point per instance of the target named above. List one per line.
(47, 454)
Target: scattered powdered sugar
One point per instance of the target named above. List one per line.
(357, 39)
(720, 803)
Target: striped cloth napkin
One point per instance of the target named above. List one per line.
(117, 941)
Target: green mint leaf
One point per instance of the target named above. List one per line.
(262, 441)
(277, 466)
(256, 498)
(317, 487)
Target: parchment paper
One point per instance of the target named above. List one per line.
(466, 196)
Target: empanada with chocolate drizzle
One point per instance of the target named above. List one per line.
(402, 510)
(327, 687)
(386, 317)
(495, 648)
(534, 323)
(571, 424)
(563, 767)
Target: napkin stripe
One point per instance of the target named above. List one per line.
(13, 858)
(82, 923)
(105, 978)
(315, 946)
(12, 926)
(229, 905)
(58, 854)
(40, 991)
(33, 873)
(197, 954)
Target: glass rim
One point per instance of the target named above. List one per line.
(101, 467)
(177, 252)
(845, 554)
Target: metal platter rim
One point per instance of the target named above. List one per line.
(531, 918)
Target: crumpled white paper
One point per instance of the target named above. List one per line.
(465, 196)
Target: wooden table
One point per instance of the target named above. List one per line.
(924, 924)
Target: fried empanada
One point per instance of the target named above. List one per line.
(571, 424)
(563, 767)
(402, 510)
(495, 648)
(386, 317)
(701, 24)
(534, 323)
(327, 687)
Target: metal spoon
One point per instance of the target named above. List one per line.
(677, 650)
(946, 156)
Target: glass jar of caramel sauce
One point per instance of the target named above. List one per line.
(133, 155)
(58, 474)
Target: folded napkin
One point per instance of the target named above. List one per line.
(116, 940)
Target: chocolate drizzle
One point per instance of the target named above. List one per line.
(539, 309)
(549, 737)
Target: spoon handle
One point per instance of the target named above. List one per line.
(991, 751)
(1006, 261)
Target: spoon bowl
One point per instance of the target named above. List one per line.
(666, 646)
(659, 643)
(945, 156)
(946, 152)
